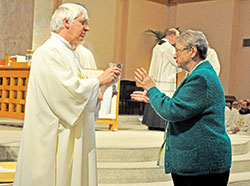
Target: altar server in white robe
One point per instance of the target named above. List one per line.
(163, 69)
(213, 59)
(58, 143)
(85, 56)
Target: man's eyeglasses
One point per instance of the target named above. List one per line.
(177, 51)
(85, 23)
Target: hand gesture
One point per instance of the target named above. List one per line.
(139, 96)
(143, 79)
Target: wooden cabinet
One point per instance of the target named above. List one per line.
(13, 89)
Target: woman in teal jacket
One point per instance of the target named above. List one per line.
(198, 149)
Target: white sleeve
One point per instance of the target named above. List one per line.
(153, 63)
(214, 61)
(168, 56)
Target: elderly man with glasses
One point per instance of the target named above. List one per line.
(58, 143)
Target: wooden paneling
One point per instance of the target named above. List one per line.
(13, 87)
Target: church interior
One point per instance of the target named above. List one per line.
(117, 34)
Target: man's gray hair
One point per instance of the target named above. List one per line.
(172, 31)
(69, 11)
(192, 38)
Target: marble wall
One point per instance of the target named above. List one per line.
(43, 10)
(16, 21)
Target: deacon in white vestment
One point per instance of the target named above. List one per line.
(213, 59)
(163, 69)
(58, 143)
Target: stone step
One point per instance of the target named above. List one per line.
(124, 149)
(235, 179)
(126, 165)
(240, 143)
(117, 154)
(241, 163)
(9, 152)
(121, 173)
(143, 172)
(239, 179)
(127, 172)
(127, 154)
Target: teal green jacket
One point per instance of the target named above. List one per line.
(196, 142)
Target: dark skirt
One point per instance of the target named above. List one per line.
(151, 119)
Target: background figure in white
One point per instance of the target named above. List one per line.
(58, 143)
(244, 107)
(85, 56)
(163, 69)
(242, 119)
(228, 119)
(240, 116)
(234, 111)
(213, 59)
(242, 122)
